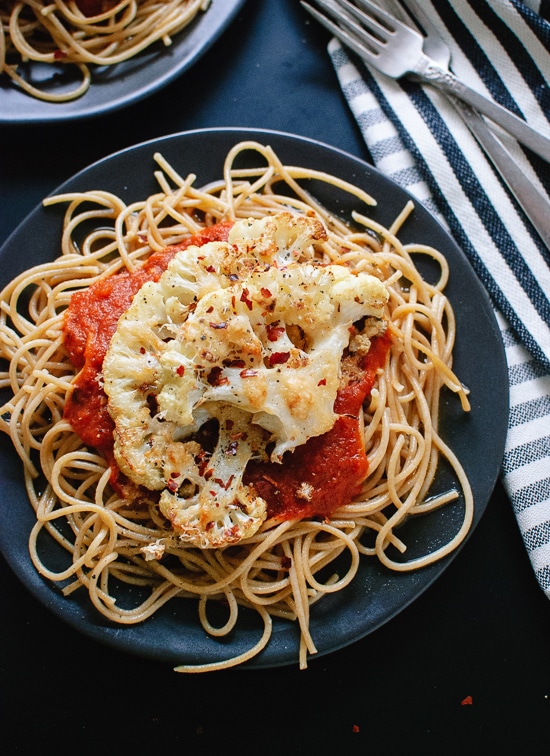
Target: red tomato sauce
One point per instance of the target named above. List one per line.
(329, 468)
(327, 471)
(90, 323)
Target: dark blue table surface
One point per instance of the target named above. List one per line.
(482, 630)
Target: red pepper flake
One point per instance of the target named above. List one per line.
(286, 563)
(322, 382)
(248, 373)
(223, 485)
(265, 292)
(202, 461)
(59, 54)
(272, 482)
(230, 481)
(274, 331)
(355, 728)
(246, 299)
(211, 269)
(180, 370)
(237, 363)
(468, 701)
(172, 485)
(279, 358)
(142, 350)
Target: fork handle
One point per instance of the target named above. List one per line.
(442, 78)
(534, 204)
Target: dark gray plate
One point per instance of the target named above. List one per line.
(114, 87)
(173, 635)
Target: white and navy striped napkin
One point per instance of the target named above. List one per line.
(501, 48)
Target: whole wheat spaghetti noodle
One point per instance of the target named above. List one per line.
(286, 566)
(84, 34)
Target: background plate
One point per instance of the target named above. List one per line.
(113, 87)
(376, 595)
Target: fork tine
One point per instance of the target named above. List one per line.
(350, 38)
(346, 28)
(389, 21)
(366, 15)
(375, 35)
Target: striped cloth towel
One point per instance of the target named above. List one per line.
(501, 48)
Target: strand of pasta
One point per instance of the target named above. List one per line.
(236, 660)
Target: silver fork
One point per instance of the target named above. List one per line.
(534, 204)
(395, 49)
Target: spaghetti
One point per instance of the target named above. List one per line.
(288, 564)
(84, 34)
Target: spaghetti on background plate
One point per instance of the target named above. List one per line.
(84, 34)
(229, 394)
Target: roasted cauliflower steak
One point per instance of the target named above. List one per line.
(245, 336)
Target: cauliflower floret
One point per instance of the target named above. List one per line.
(278, 239)
(207, 503)
(248, 335)
(154, 550)
(242, 336)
